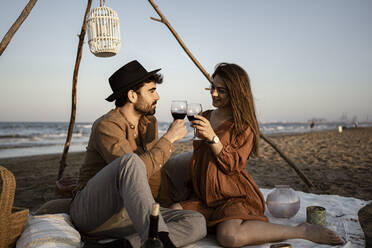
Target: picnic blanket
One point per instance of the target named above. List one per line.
(341, 215)
(56, 230)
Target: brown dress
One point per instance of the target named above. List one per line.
(223, 188)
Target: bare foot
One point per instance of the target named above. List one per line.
(321, 235)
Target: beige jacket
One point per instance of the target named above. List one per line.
(111, 137)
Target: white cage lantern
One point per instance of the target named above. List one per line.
(103, 29)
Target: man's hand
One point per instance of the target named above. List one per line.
(176, 131)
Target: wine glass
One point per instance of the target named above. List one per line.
(192, 110)
(178, 109)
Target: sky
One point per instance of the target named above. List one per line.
(306, 59)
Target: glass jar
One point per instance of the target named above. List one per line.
(283, 202)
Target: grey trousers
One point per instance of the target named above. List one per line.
(117, 201)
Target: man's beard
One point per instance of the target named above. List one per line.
(144, 108)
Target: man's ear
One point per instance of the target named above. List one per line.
(132, 96)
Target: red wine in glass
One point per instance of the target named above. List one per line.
(191, 117)
(192, 110)
(177, 116)
(178, 109)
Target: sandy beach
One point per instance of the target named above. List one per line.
(336, 163)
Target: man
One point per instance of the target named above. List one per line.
(121, 170)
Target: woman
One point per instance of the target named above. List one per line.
(224, 192)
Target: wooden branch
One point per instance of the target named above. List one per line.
(156, 19)
(165, 21)
(289, 161)
(13, 29)
(62, 163)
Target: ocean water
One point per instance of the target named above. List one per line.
(34, 138)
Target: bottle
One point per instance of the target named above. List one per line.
(153, 239)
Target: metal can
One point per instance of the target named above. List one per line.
(316, 215)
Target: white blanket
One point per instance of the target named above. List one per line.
(341, 214)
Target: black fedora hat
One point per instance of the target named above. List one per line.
(128, 77)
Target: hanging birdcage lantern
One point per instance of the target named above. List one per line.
(103, 29)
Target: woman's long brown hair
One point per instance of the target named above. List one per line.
(241, 99)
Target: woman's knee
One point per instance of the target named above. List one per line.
(228, 237)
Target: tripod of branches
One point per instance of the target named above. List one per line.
(13, 29)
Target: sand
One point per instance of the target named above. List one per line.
(336, 163)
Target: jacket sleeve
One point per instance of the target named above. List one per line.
(234, 155)
(112, 143)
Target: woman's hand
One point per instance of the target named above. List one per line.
(203, 128)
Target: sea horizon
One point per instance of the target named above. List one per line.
(26, 138)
